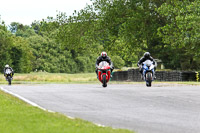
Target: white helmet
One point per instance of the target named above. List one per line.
(6, 65)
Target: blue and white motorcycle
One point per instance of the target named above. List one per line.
(148, 72)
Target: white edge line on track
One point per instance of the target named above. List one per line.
(36, 105)
(28, 101)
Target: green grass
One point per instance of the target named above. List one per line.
(43, 77)
(17, 116)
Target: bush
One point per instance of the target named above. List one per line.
(118, 62)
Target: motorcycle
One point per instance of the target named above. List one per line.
(8, 75)
(148, 72)
(104, 72)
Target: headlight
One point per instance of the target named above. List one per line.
(145, 67)
(151, 67)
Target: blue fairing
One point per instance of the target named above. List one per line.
(147, 69)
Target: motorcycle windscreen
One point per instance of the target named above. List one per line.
(8, 71)
(148, 63)
(104, 65)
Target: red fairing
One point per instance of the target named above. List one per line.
(104, 69)
(108, 76)
(100, 76)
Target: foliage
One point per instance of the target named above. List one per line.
(129, 27)
(48, 55)
(14, 51)
(118, 62)
(182, 33)
(21, 55)
(125, 29)
(5, 44)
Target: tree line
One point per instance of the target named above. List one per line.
(125, 29)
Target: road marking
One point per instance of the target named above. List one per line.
(99, 125)
(30, 102)
(36, 105)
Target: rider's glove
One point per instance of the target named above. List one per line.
(138, 65)
(112, 67)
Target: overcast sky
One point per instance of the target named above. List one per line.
(26, 11)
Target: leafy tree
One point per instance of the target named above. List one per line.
(14, 51)
(5, 44)
(125, 29)
(128, 28)
(118, 62)
(181, 33)
(21, 55)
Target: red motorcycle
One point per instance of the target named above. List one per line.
(104, 73)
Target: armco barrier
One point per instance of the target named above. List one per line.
(188, 76)
(120, 76)
(134, 75)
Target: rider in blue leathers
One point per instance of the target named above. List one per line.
(143, 59)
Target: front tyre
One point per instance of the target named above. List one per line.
(9, 80)
(148, 84)
(104, 81)
(148, 79)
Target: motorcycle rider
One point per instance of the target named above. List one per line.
(143, 59)
(8, 67)
(106, 58)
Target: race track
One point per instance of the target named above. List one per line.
(163, 108)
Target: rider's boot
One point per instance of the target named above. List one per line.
(141, 77)
(154, 75)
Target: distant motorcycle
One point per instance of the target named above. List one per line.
(104, 72)
(148, 72)
(8, 75)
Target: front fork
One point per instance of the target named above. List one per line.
(100, 75)
(144, 74)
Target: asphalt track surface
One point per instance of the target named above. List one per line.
(162, 108)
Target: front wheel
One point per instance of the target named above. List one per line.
(9, 80)
(104, 81)
(148, 84)
(148, 79)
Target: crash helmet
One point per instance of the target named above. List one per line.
(146, 54)
(6, 66)
(104, 54)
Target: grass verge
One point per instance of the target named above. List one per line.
(89, 78)
(43, 77)
(20, 117)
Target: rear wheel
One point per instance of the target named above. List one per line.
(104, 81)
